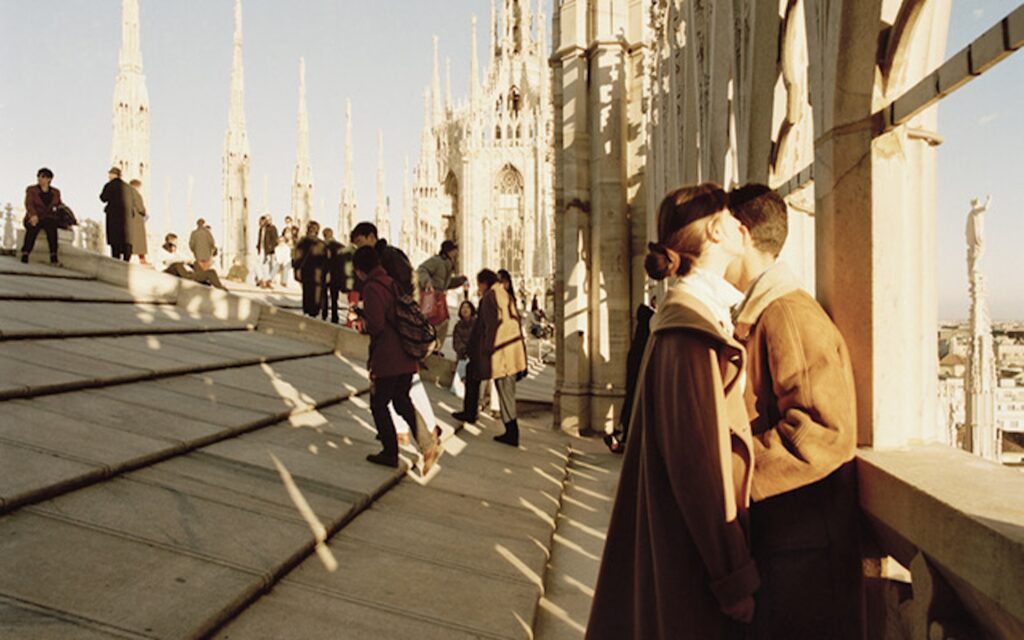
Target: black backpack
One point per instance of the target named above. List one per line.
(417, 335)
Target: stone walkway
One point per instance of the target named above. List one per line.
(171, 474)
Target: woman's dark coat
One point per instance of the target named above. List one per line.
(115, 193)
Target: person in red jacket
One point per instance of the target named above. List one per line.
(391, 369)
(41, 202)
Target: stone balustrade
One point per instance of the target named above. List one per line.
(957, 522)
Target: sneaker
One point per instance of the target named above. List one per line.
(383, 459)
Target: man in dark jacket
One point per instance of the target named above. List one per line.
(338, 275)
(41, 202)
(616, 440)
(393, 259)
(115, 193)
(391, 369)
(266, 243)
(309, 263)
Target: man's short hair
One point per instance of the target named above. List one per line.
(365, 259)
(448, 245)
(363, 230)
(487, 277)
(764, 213)
(201, 222)
(116, 171)
(136, 183)
(44, 173)
(170, 237)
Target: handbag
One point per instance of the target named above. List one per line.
(65, 216)
(434, 305)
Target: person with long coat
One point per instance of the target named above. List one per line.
(135, 221)
(497, 351)
(676, 561)
(118, 198)
(310, 263)
(202, 245)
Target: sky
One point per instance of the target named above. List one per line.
(56, 92)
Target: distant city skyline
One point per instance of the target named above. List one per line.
(56, 103)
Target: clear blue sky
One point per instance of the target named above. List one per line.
(56, 91)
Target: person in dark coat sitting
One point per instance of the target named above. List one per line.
(118, 198)
(41, 202)
(309, 263)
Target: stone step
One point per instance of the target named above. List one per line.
(13, 266)
(35, 287)
(462, 556)
(36, 319)
(36, 367)
(60, 442)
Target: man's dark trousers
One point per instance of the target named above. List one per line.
(384, 392)
(31, 231)
(330, 296)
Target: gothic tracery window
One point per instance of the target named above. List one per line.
(509, 226)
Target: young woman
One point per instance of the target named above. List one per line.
(460, 342)
(676, 562)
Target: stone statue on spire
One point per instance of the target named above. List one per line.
(302, 183)
(980, 382)
(348, 204)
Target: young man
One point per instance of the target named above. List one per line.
(802, 407)
(309, 262)
(436, 276)
(202, 245)
(391, 369)
(337, 275)
(118, 198)
(41, 202)
(266, 244)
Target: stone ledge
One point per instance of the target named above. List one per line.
(964, 514)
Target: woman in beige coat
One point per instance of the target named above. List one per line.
(676, 561)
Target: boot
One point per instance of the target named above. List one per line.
(511, 435)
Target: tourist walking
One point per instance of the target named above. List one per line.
(310, 261)
(616, 440)
(496, 351)
(391, 369)
(118, 199)
(135, 222)
(676, 562)
(803, 410)
(436, 277)
(266, 245)
(338, 275)
(41, 203)
(202, 245)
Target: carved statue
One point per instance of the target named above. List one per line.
(976, 233)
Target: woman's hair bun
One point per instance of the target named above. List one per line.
(657, 263)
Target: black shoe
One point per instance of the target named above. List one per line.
(614, 444)
(462, 416)
(383, 459)
(511, 439)
(53, 259)
(24, 258)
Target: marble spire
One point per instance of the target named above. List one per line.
(302, 183)
(348, 204)
(235, 166)
(474, 72)
(408, 230)
(382, 215)
(980, 381)
(130, 148)
(435, 88)
(447, 84)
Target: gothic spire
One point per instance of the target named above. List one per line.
(302, 185)
(436, 87)
(130, 145)
(348, 204)
(447, 84)
(474, 78)
(382, 216)
(235, 165)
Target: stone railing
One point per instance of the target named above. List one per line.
(957, 523)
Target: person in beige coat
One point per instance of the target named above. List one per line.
(497, 352)
(676, 562)
(803, 413)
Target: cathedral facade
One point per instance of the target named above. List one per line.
(484, 176)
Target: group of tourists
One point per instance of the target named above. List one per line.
(736, 513)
